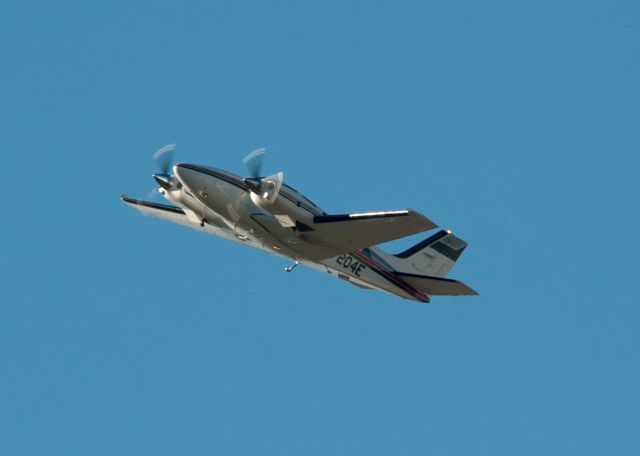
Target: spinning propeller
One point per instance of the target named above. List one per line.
(164, 158)
(266, 188)
(254, 161)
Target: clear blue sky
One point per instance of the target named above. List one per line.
(513, 123)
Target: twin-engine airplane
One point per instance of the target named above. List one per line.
(265, 213)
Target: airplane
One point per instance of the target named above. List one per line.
(265, 213)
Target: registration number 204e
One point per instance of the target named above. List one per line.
(350, 263)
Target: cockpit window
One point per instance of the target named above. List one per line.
(299, 195)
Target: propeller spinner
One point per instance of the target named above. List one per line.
(266, 189)
(164, 158)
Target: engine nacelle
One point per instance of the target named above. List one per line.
(265, 194)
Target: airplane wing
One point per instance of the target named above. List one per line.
(162, 211)
(176, 215)
(328, 235)
(346, 232)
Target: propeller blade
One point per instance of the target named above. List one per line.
(164, 157)
(253, 162)
(153, 193)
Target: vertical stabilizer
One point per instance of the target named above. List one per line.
(435, 256)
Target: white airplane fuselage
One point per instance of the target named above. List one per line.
(265, 213)
(222, 202)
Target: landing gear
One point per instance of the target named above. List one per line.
(292, 267)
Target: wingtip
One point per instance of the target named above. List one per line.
(468, 290)
(128, 200)
(429, 224)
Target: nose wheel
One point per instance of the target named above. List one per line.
(292, 267)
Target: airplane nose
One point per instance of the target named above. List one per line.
(164, 180)
(185, 175)
(178, 169)
(193, 177)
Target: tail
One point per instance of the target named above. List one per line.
(434, 257)
(425, 265)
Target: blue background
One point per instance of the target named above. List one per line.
(513, 123)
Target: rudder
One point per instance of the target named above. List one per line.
(435, 256)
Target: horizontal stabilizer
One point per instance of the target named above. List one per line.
(437, 285)
(347, 232)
